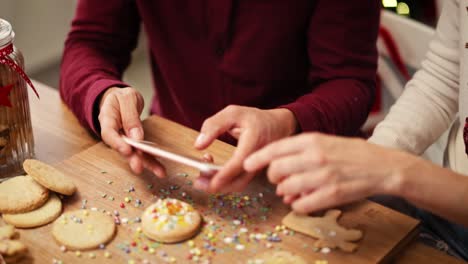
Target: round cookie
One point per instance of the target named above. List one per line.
(39, 217)
(83, 229)
(49, 177)
(278, 257)
(21, 194)
(170, 221)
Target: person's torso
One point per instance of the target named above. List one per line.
(207, 54)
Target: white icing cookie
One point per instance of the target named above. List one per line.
(170, 221)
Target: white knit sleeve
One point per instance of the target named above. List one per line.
(429, 103)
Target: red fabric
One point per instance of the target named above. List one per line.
(395, 56)
(317, 58)
(5, 60)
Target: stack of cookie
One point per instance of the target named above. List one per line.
(11, 249)
(26, 201)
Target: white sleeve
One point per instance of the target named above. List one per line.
(429, 102)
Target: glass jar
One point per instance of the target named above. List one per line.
(16, 137)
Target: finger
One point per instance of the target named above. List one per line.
(233, 167)
(332, 195)
(131, 123)
(288, 199)
(135, 163)
(110, 135)
(303, 182)
(275, 150)
(203, 181)
(215, 126)
(202, 184)
(153, 165)
(287, 165)
(208, 158)
(239, 183)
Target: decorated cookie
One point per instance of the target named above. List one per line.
(170, 221)
(83, 229)
(21, 194)
(49, 177)
(326, 229)
(41, 216)
(277, 257)
(7, 232)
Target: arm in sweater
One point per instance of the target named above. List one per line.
(343, 61)
(96, 53)
(430, 100)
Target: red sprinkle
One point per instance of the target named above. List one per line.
(145, 248)
(122, 205)
(133, 244)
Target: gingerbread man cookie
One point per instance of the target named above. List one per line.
(326, 229)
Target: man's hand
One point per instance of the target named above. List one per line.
(253, 128)
(315, 171)
(119, 112)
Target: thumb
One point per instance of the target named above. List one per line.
(214, 127)
(130, 113)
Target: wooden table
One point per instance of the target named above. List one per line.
(58, 136)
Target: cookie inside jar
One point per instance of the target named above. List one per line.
(16, 138)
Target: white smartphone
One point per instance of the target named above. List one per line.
(151, 148)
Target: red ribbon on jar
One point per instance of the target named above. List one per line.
(4, 59)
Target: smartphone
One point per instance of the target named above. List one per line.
(151, 148)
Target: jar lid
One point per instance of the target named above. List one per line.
(6, 33)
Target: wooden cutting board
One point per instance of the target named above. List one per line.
(101, 174)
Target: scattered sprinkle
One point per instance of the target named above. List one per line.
(240, 247)
(63, 248)
(325, 250)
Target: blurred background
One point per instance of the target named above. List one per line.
(41, 28)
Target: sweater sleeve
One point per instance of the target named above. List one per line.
(343, 62)
(97, 50)
(429, 102)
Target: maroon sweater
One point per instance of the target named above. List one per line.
(316, 58)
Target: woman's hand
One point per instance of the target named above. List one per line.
(253, 128)
(315, 171)
(119, 112)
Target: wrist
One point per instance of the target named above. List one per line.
(287, 120)
(407, 169)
